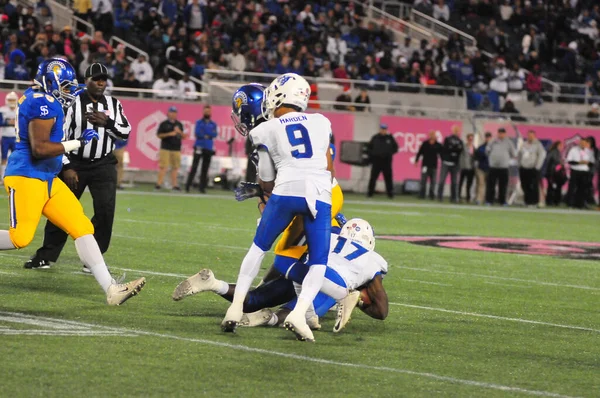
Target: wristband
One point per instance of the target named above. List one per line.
(71, 145)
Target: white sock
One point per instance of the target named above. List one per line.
(2, 170)
(248, 271)
(90, 255)
(5, 242)
(222, 289)
(313, 281)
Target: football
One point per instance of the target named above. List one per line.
(364, 297)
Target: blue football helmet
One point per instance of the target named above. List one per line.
(58, 78)
(247, 107)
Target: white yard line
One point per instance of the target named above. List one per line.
(500, 318)
(425, 282)
(532, 281)
(507, 285)
(304, 358)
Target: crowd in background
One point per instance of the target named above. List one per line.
(491, 164)
(327, 39)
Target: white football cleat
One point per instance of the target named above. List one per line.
(313, 323)
(118, 293)
(344, 311)
(201, 282)
(296, 323)
(257, 318)
(232, 319)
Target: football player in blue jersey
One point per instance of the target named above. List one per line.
(30, 178)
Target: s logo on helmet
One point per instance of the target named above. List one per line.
(240, 99)
(284, 79)
(55, 67)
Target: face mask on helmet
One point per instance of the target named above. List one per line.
(359, 231)
(246, 107)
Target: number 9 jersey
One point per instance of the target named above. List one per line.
(35, 105)
(298, 144)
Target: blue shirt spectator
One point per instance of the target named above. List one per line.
(453, 67)
(481, 156)
(168, 8)
(466, 76)
(206, 131)
(124, 16)
(16, 70)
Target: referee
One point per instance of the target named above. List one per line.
(92, 166)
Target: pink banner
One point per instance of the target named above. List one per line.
(410, 133)
(145, 116)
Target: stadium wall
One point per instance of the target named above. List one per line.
(145, 116)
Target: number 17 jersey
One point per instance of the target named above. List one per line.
(298, 144)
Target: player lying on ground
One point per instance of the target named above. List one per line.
(30, 179)
(352, 265)
(294, 146)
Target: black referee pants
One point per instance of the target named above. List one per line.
(200, 154)
(578, 188)
(101, 179)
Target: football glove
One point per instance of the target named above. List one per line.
(248, 190)
(88, 136)
(341, 219)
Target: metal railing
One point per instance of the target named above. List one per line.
(219, 75)
(398, 26)
(439, 29)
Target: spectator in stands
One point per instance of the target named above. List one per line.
(441, 11)
(336, 47)
(236, 60)
(451, 151)
(482, 168)
(423, 6)
(382, 148)
(170, 133)
(533, 83)
(500, 152)
(166, 86)
(15, 69)
(363, 98)
(467, 167)
(187, 88)
(499, 82)
(194, 16)
(155, 46)
(506, 11)
(466, 76)
(593, 115)
(430, 151)
(516, 82)
(338, 73)
(44, 15)
(326, 71)
(531, 159)
(102, 11)
(124, 20)
(142, 71)
(509, 107)
(556, 174)
(82, 10)
(580, 159)
(344, 97)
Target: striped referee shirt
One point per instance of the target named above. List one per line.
(117, 127)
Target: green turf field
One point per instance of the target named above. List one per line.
(461, 323)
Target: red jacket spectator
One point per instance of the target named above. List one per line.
(533, 83)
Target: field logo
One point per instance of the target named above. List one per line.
(555, 248)
(16, 324)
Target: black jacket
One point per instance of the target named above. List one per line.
(383, 146)
(453, 147)
(430, 153)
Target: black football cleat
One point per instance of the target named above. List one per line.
(37, 263)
